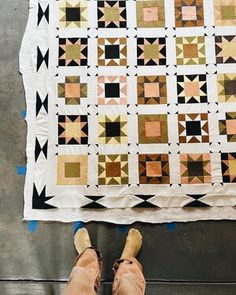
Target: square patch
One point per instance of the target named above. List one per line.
(191, 89)
(189, 13)
(190, 50)
(112, 90)
(152, 90)
(113, 169)
(151, 51)
(225, 47)
(73, 90)
(150, 13)
(73, 14)
(154, 169)
(195, 168)
(153, 128)
(228, 126)
(112, 52)
(72, 129)
(226, 87)
(193, 128)
(73, 52)
(228, 167)
(72, 169)
(111, 14)
(225, 12)
(113, 129)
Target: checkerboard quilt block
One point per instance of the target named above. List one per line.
(131, 110)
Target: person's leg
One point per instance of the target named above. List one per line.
(129, 279)
(85, 276)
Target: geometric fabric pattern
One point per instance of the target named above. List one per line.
(72, 129)
(228, 126)
(190, 50)
(111, 14)
(131, 104)
(192, 89)
(72, 90)
(73, 14)
(226, 86)
(152, 90)
(150, 13)
(72, 170)
(154, 169)
(112, 129)
(113, 169)
(195, 168)
(193, 128)
(225, 12)
(225, 47)
(151, 51)
(112, 52)
(73, 52)
(153, 129)
(189, 13)
(112, 90)
(228, 166)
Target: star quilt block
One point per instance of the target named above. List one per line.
(190, 50)
(112, 52)
(227, 126)
(73, 13)
(225, 47)
(113, 169)
(73, 52)
(189, 13)
(72, 129)
(112, 90)
(154, 169)
(151, 51)
(195, 168)
(152, 90)
(193, 128)
(73, 90)
(226, 87)
(111, 14)
(113, 129)
(228, 167)
(192, 89)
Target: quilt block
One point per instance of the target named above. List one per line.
(131, 109)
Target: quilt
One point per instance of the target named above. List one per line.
(131, 110)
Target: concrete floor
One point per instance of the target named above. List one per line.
(194, 258)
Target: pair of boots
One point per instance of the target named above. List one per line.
(86, 274)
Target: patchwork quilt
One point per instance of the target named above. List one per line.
(131, 110)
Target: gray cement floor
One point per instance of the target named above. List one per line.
(194, 258)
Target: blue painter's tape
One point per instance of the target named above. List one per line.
(171, 226)
(33, 226)
(77, 225)
(21, 170)
(123, 229)
(23, 114)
